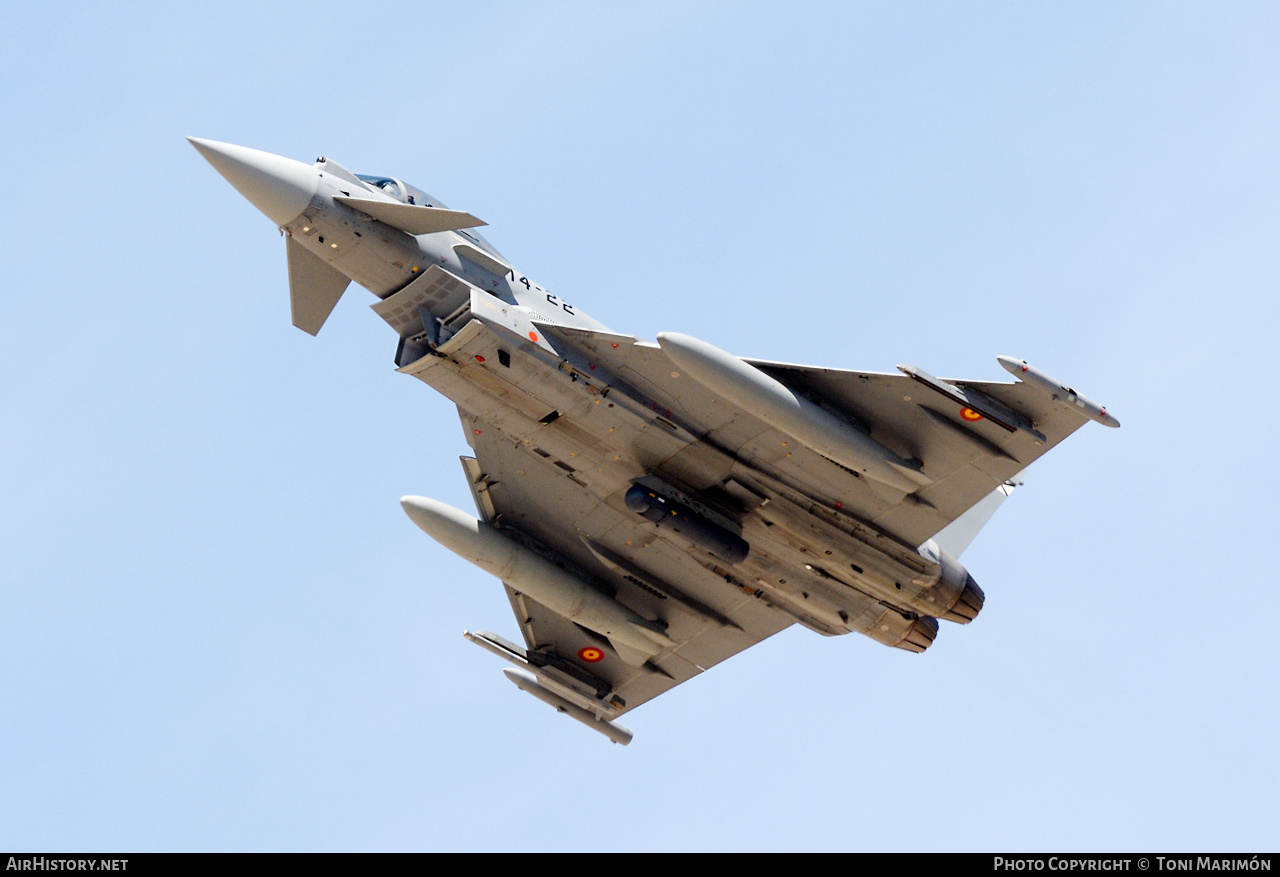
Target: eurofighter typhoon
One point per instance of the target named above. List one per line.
(654, 508)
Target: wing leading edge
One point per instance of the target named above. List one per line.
(965, 455)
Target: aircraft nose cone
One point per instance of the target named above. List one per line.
(280, 187)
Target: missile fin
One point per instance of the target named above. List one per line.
(655, 633)
(630, 655)
(911, 470)
(886, 493)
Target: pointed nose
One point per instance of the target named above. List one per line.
(280, 187)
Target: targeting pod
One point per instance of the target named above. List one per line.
(664, 512)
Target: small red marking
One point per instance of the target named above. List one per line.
(839, 505)
(533, 336)
(590, 654)
(477, 431)
(479, 358)
(655, 406)
(615, 346)
(970, 415)
(668, 414)
(593, 365)
(1024, 366)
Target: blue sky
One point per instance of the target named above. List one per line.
(221, 631)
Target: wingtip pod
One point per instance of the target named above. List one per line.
(1031, 375)
(528, 683)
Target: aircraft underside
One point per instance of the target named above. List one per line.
(655, 508)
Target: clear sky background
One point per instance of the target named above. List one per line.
(220, 631)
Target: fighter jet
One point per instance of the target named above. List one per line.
(655, 507)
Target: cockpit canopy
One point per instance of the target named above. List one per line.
(407, 194)
(399, 190)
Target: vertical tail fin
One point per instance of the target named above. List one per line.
(956, 536)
